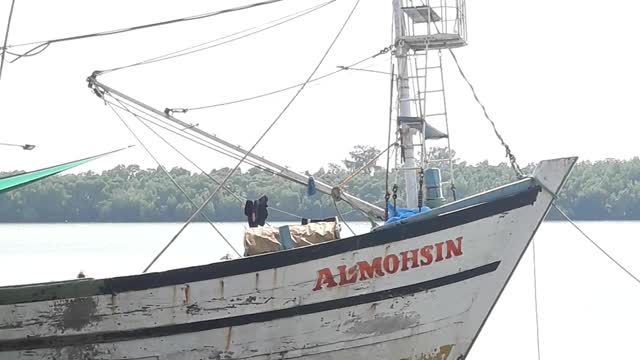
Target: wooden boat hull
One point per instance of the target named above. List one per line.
(421, 289)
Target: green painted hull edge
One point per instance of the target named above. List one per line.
(50, 291)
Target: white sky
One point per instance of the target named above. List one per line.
(559, 77)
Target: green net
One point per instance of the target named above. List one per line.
(14, 181)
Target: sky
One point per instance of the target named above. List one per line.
(559, 79)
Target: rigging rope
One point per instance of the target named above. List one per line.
(387, 194)
(144, 121)
(180, 132)
(181, 153)
(535, 295)
(365, 70)
(286, 213)
(197, 48)
(452, 178)
(350, 177)
(6, 37)
(535, 286)
(199, 140)
(43, 44)
(509, 154)
(340, 217)
(273, 123)
(341, 69)
(182, 190)
(595, 244)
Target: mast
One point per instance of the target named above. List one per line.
(404, 96)
(420, 30)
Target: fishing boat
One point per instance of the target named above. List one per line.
(420, 286)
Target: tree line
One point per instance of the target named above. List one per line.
(601, 190)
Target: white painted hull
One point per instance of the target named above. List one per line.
(432, 307)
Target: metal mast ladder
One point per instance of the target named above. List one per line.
(425, 29)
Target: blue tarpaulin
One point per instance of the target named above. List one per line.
(398, 214)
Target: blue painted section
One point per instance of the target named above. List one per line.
(311, 186)
(497, 193)
(433, 182)
(285, 237)
(399, 214)
(432, 177)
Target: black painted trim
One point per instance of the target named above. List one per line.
(33, 343)
(279, 259)
(304, 254)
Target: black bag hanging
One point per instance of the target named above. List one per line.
(250, 213)
(261, 210)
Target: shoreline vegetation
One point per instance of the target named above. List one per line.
(600, 190)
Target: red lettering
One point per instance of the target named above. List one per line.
(425, 252)
(352, 275)
(391, 264)
(439, 251)
(367, 270)
(406, 258)
(453, 249)
(325, 277)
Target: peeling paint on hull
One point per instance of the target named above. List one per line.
(426, 313)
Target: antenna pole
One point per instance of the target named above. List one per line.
(404, 98)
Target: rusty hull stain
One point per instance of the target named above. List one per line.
(441, 353)
(187, 294)
(78, 353)
(75, 314)
(220, 355)
(383, 324)
(228, 338)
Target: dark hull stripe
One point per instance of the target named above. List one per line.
(185, 328)
(273, 260)
(304, 254)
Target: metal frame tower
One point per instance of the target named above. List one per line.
(422, 112)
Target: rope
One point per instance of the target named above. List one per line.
(595, 244)
(197, 48)
(144, 122)
(180, 132)
(175, 183)
(387, 194)
(236, 196)
(273, 123)
(372, 219)
(6, 37)
(182, 154)
(452, 186)
(46, 43)
(365, 70)
(16, 145)
(535, 295)
(198, 140)
(335, 204)
(33, 52)
(344, 68)
(379, 203)
(350, 177)
(509, 154)
(286, 213)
